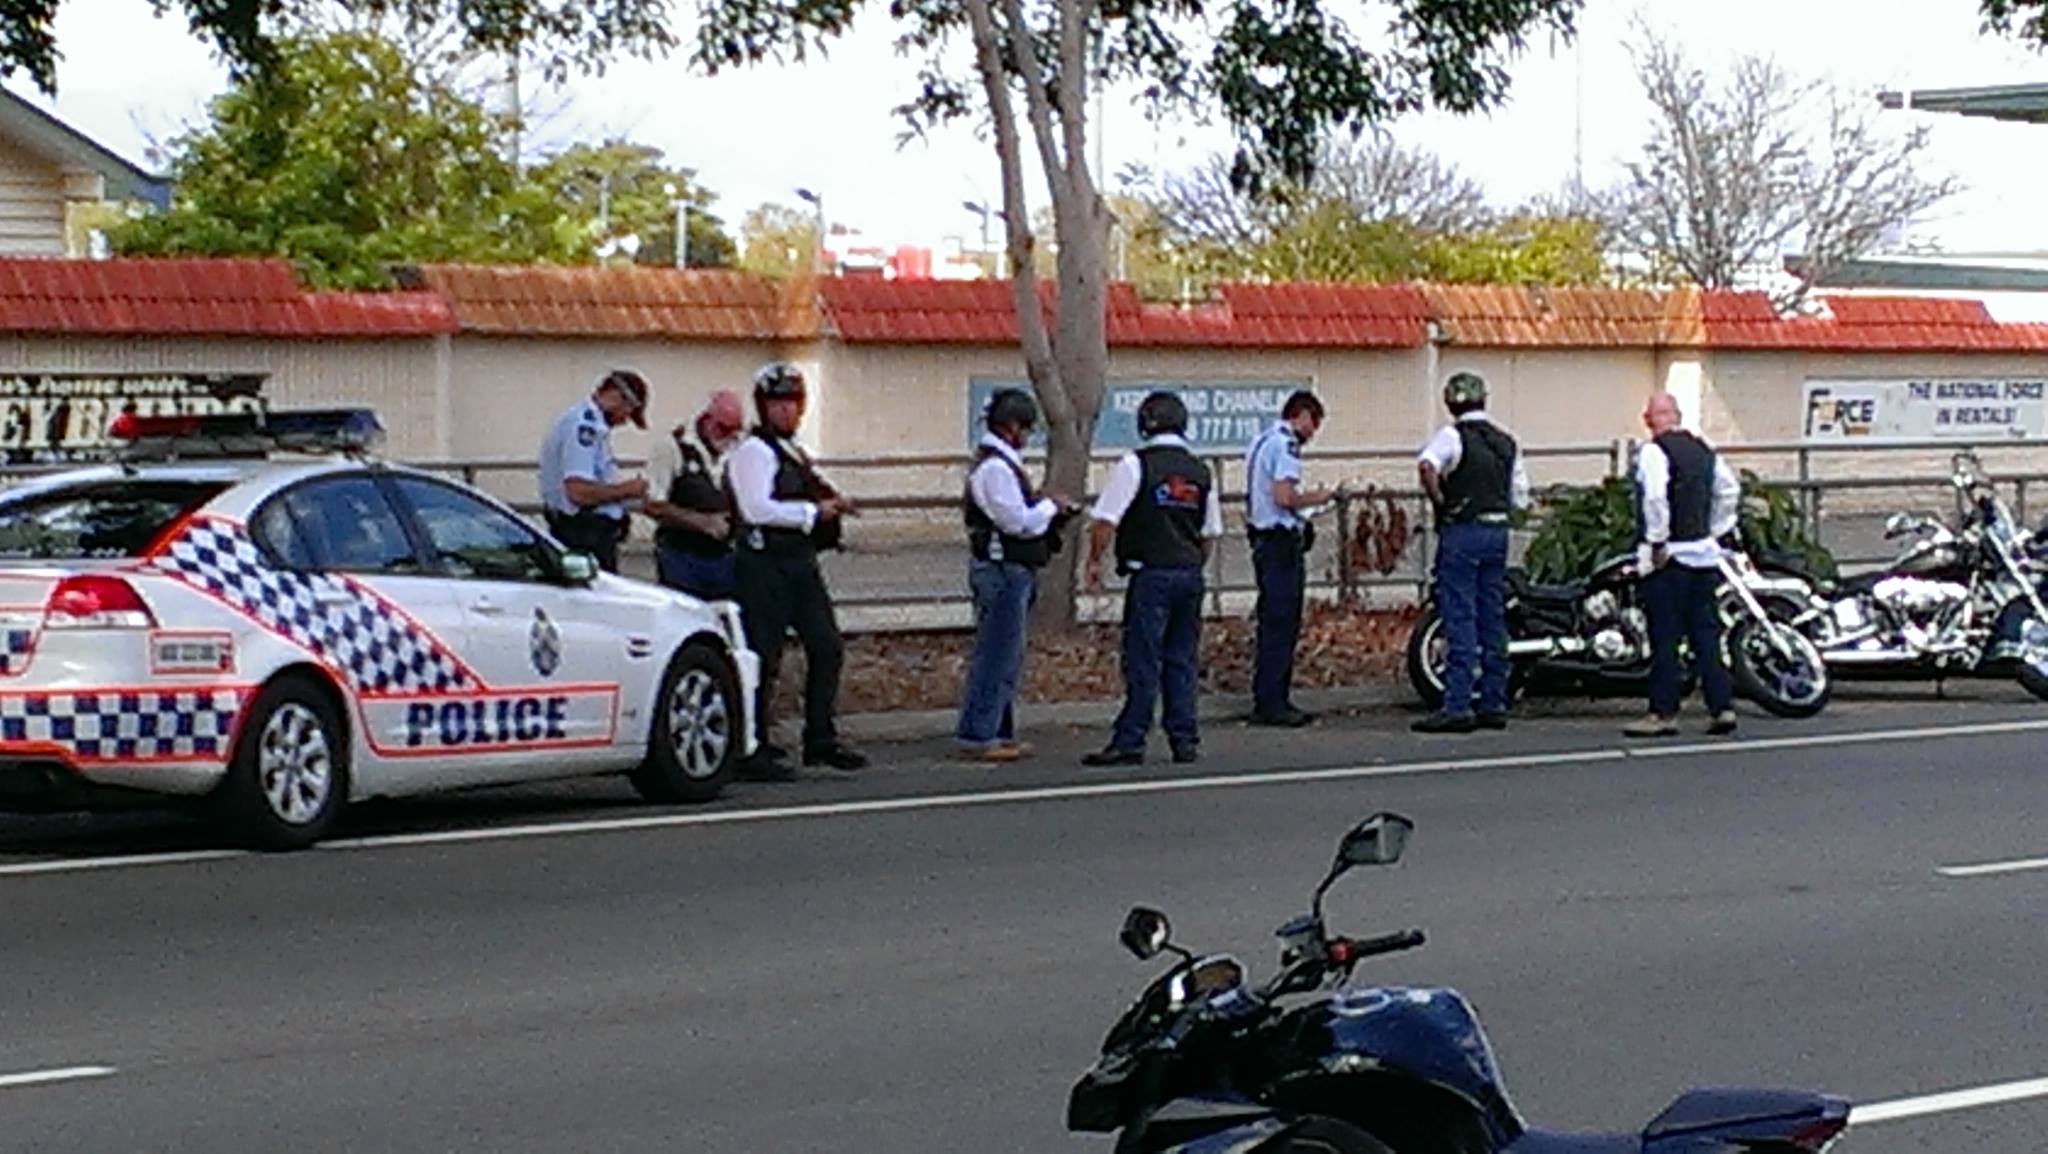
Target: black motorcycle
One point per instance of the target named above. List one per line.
(1207, 1063)
(1593, 636)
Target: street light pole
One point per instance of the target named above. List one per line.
(682, 208)
(816, 201)
(1003, 253)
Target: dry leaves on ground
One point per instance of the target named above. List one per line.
(1340, 646)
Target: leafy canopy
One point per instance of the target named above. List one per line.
(623, 189)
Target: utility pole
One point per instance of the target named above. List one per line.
(817, 201)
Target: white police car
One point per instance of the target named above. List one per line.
(250, 610)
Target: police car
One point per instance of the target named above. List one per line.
(253, 611)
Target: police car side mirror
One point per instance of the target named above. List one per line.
(579, 568)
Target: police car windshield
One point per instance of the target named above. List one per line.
(100, 520)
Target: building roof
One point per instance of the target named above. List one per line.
(677, 304)
(1989, 274)
(2027, 103)
(199, 297)
(1866, 324)
(1564, 317)
(43, 134)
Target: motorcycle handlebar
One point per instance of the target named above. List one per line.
(1384, 944)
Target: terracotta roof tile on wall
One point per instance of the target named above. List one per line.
(981, 312)
(682, 304)
(1873, 324)
(199, 297)
(1564, 317)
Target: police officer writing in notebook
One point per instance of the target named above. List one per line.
(1281, 539)
(1012, 532)
(581, 491)
(785, 513)
(1474, 476)
(693, 529)
(1161, 510)
(1687, 498)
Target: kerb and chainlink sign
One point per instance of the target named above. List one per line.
(55, 417)
(1911, 409)
(1223, 416)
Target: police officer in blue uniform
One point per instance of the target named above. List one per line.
(1474, 475)
(1281, 540)
(584, 498)
(1161, 509)
(785, 513)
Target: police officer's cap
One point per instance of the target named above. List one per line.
(1011, 407)
(1464, 389)
(777, 381)
(1161, 413)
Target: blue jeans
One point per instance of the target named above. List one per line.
(1471, 595)
(1162, 644)
(1003, 593)
(1680, 605)
(1283, 576)
(705, 578)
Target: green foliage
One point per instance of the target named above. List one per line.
(623, 189)
(1582, 528)
(2026, 19)
(348, 159)
(559, 35)
(777, 239)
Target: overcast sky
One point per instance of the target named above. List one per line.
(756, 135)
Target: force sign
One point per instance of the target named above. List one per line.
(1963, 409)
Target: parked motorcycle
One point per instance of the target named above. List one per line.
(1962, 601)
(1205, 1062)
(1593, 635)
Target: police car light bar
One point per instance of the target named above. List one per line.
(249, 434)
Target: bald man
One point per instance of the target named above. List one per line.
(1687, 498)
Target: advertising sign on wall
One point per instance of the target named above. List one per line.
(1979, 409)
(1223, 416)
(52, 417)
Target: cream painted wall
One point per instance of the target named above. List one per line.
(1561, 397)
(394, 377)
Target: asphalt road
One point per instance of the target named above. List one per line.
(924, 958)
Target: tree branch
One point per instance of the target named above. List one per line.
(1037, 101)
(995, 83)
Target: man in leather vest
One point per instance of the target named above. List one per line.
(1474, 475)
(693, 524)
(1687, 498)
(1281, 540)
(784, 513)
(1160, 508)
(1012, 532)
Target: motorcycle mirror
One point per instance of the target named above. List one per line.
(1378, 840)
(1145, 933)
(1899, 524)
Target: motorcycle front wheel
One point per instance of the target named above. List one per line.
(1321, 1135)
(1779, 668)
(2033, 662)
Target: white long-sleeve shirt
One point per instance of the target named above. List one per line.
(994, 487)
(1653, 480)
(752, 472)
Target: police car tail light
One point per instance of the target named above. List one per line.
(96, 602)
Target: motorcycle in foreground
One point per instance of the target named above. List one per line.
(1593, 634)
(1204, 1062)
(1958, 602)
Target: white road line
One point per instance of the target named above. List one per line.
(73, 865)
(1952, 1100)
(46, 1077)
(1991, 868)
(1066, 792)
(963, 800)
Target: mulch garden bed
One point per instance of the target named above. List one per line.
(1340, 646)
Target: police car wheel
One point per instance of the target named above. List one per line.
(694, 747)
(288, 780)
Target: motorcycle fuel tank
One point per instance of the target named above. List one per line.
(1431, 1034)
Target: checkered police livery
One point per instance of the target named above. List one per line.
(17, 645)
(124, 724)
(377, 649)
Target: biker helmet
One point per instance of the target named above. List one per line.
(1011, 407)
(776, 381)
(1161, 413)
(1465, 392)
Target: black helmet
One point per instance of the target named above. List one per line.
(778, 380)
(1011, 407)
(1160, 413)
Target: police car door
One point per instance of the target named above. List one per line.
(352, 583)
(551, 698)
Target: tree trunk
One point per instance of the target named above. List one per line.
(1081, 360)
